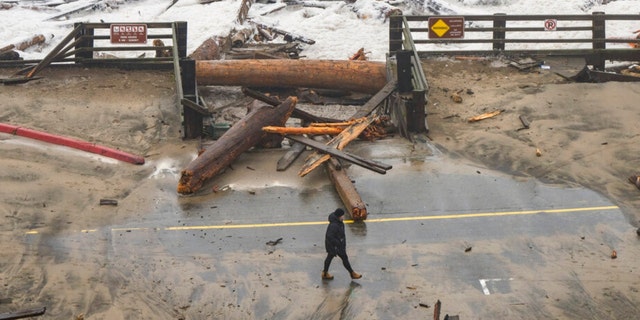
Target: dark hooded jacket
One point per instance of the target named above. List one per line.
(334, 240)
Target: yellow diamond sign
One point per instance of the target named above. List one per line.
(446, 27)
(440, 28)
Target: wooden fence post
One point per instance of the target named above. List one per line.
(403, 58)
(181, 35)
(598, 35)
(499, 21)
(193, 121)
(85, 43)
(395, 33)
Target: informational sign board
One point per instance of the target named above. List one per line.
(550, 24)
(128, 33)
(446, 27)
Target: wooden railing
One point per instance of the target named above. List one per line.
(572, 35)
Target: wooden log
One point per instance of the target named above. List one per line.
(359, 76)
(297, 113)
(211, 49)
(22, 45)
(357, 160)
(240, 37)
(288, 36)
(243, 12)
(338, 142)
(303, 130)
(346, 190)
(239, 138)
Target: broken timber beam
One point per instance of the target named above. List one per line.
(290, 156)
(304, 130)
(243, 135)
(331, 151)
(297, 113)
(346, 190)
(356, 75)
(377, 99)
(338, 142)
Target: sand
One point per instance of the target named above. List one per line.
(585, 133)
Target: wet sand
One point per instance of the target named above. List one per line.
(585, 132)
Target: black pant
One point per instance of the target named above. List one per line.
(343, 256)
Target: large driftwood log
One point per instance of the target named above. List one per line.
(346, 190)
(22, 45)
(359, 76)
(239, 138)
(211, 49)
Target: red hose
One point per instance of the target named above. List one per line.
(70, 142)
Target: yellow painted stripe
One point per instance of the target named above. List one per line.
(414, 218)
(418, 218)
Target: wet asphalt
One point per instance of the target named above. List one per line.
(484, 243)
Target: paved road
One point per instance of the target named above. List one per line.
(486, 244)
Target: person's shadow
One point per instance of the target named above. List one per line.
(358, 228)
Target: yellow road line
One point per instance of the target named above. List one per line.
(414, 218)
(438, 217)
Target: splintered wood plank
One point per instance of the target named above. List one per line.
(339, 142)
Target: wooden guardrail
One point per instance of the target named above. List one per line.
(93, 44)
(410, 111)
(552, 34)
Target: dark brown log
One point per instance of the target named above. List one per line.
(346, 190)
(359, 76)
(239, 138)
(297, 113)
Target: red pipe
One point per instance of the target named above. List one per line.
(70, 142)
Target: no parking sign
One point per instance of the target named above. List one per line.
(550, 24)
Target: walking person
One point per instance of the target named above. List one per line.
(336, 245)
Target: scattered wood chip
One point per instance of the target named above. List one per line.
(525, 122)
(538, 152)
(108, 202)
(485, 116)
(635, 180)
(274, 242)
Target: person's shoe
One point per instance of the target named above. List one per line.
(355, 275)
(326, 276)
